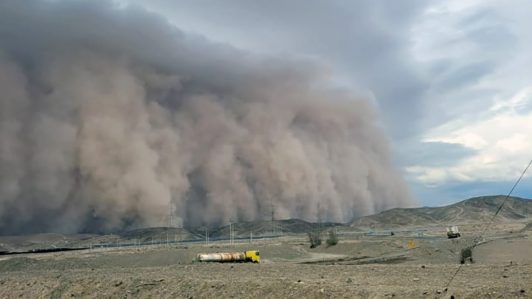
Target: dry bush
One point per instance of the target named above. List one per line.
(314, 239)
(333, 238)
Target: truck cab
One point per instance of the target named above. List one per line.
(253, 256)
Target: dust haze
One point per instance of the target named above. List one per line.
(110, 117)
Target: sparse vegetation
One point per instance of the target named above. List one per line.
(333, 238)
(314, 238)
(465, 254)
(352, 267)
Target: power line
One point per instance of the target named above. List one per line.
(491, 220)
(506, 198)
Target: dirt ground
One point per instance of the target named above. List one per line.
(369, 267)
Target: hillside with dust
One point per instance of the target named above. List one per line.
(121, 120)
(473, 210)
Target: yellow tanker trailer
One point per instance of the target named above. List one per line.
(252, 256)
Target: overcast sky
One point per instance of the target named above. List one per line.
(452, 79)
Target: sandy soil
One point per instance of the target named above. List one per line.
(270, 280)
(371, 267)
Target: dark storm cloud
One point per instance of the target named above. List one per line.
(111, 117)
(463, 76)
(369, 41)
(488, 30)
(434, 153)
(427, 63)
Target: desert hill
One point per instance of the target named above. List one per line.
(260, 228)
(267, 228)
(476, 209)
(473, 210)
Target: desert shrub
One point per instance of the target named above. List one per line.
(333, 238)
(314, 239)
(465, 254)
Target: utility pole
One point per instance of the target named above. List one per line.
(319, 218)
(231, 232)
(273, 217)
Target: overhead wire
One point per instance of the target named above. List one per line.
(491, 221)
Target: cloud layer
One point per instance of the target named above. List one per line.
(433, 67)
(480, 102)
(499, 145)
(110, 117)
(366, 42)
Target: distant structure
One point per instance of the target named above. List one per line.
(273, 217)
(453, 232)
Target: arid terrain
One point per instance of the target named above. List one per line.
(414, 262)
(265, 149)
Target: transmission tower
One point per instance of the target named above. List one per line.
(273, 217)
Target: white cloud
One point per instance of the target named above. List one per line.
(501, 140)
(517, 102)
(480, 96)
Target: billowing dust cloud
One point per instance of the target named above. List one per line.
(112, 118)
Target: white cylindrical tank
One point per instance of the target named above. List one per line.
(221, 257)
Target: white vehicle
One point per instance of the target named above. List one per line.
(453, 232)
